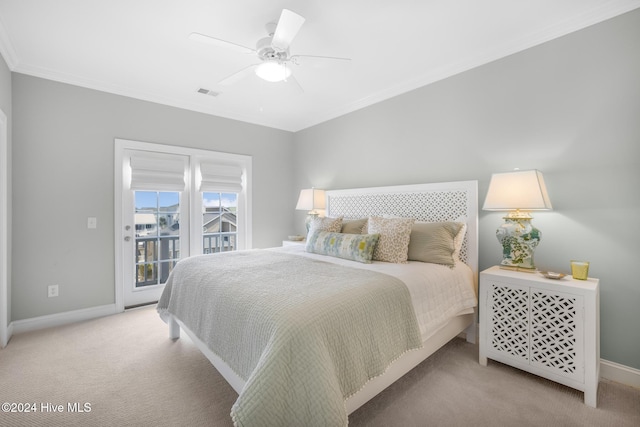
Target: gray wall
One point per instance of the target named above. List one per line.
(570, 108)
(5, 106)
(63, 162)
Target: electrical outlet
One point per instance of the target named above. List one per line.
(52, 291)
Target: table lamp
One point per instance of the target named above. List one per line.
(310, 200)
(517, 192)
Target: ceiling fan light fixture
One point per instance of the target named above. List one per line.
(273, 71)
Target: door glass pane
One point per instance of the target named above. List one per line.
(219, 222)
(157, 222)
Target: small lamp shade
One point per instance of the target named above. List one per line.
(517, 192)
(311, 199)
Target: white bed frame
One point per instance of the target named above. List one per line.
(447, 201)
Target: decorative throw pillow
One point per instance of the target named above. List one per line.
(356, 247)
(354, 226)
(333, 225)
(433, 242)
(394, 233)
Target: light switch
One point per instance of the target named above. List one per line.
(92, 222)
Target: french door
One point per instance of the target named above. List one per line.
(154, 243)
(156, 223)
(171, 203)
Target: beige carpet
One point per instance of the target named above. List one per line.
(131, 374)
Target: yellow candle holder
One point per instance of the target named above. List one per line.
(580, 269)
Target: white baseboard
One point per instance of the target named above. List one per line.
(622, 374)
(9, 333)
(608, 370)
(5, 336)
(64, 318)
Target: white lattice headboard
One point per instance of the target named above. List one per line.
(446, 201)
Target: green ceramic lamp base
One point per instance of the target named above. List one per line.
(519, 239)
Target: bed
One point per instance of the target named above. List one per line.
(308, 335)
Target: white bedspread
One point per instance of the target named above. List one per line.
(303, 334)
(437, 291)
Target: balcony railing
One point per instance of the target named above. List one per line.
(218, 242)
(156, 256)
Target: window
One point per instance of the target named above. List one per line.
(157, 221)
(219, 222)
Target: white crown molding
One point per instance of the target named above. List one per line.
(6, 49)
(606, 11)
(140, 95)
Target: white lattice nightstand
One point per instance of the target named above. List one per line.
(547, 327)
(293, 242)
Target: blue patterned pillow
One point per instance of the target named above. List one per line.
(356, 247)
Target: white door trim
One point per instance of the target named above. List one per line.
(244, 199)
(119, 167)
(5, 331)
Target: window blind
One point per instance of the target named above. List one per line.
(157, 172)
(220, 177)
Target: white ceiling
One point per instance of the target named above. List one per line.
(140, 48)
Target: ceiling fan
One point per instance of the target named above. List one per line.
(273, 51)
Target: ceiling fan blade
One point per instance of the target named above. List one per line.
(288, 26)
(238, 75)
(295, 57)
(220, 43)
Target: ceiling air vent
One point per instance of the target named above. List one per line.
(208, 92)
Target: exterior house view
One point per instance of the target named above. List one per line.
(158, 238)
(219, 228)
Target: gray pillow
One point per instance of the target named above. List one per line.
(354, 226)
(433, 242)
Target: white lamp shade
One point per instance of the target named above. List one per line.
(311, 199)
(273, 71)
(517, 190)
